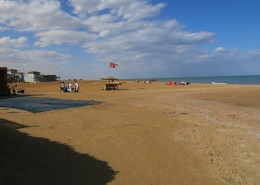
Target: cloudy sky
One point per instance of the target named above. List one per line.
(146, 38)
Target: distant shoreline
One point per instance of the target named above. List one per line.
(246, 80)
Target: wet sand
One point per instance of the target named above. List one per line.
(148, 133)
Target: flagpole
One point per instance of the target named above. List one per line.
(109, 70)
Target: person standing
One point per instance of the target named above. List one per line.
(76, 87)
(62, 86)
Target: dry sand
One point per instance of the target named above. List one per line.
(142, 134)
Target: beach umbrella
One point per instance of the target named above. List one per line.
(109, 78)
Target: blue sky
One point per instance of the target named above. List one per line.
(146, 38)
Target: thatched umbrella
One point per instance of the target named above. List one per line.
(110, 86)
(109, 78)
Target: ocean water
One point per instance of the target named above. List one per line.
(251, 79)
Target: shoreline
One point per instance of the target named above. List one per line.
(245, 79)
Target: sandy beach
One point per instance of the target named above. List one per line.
(141, 134)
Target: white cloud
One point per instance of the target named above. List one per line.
(254, 53)
(124, 18)
(130, 10)
(199, 37)
(154, 42)
(8, 42)
(35, 15)
(139, 10)
(220, 50)
(58, 37)
(172, 24)
(45, 61)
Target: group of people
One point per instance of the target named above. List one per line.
(177, 83)
(69, 88)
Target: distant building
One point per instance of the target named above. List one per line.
(46, 78)
(11, 73)
(20, 76)
(32, 76)
(50, 78)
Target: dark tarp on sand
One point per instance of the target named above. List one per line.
(39, 104)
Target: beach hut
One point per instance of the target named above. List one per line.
(111, 84)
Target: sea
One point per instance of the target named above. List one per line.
(249, 80)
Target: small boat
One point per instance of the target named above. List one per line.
(219, 83)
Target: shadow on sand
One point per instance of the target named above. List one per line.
(27, 160)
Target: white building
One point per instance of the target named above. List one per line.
(31, 76)
(20, 77)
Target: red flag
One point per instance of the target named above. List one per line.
(113, 65)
